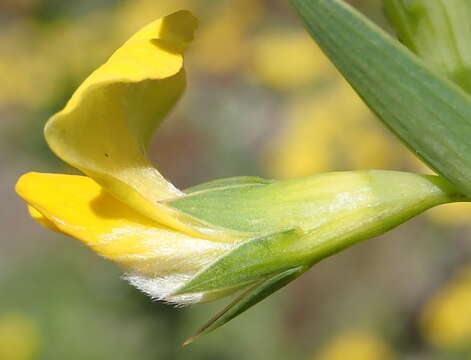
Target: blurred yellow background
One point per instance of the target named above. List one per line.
(262, 100)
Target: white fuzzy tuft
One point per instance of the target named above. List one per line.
(159, 288)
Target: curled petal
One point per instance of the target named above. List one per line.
(156, 258)
(105, 128)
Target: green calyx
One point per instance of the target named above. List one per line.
(263, 207)
(297, 223)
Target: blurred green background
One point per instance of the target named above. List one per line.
(262, 100)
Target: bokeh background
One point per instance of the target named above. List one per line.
(262, 100)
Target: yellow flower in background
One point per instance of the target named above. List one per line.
(288, 60)
(446, 318)
(64, 42)
(230, 29)
(58, 56)
(19, 336)
(20, 69)
(457, 214)
(355, 345)
(130, 15)
(328, 131)
(59, 48)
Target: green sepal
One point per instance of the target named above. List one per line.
(332, 211)
(304, 220)
(308, 202)
(228, 182)
(426, 111)
(248, 263)
(250, 297)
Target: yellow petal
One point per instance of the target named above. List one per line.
(106, 126)
(40, 218)
(78, 206)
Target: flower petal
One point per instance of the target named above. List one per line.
(106, 126)
(78, 206)
(40, 218)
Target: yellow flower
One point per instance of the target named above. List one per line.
(446, 318)
(19, 336)
(329, 131)
(355, 345)
(277, 61)
(127, 97)
(214, 239)
(130, 15)
(229, 28)
(452, 214)
(16, 65)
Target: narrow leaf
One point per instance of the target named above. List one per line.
(427, 112)
(247, 299)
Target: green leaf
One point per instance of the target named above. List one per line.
(249, 298)
(430, 114)
(248, 263)
(438, 32)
